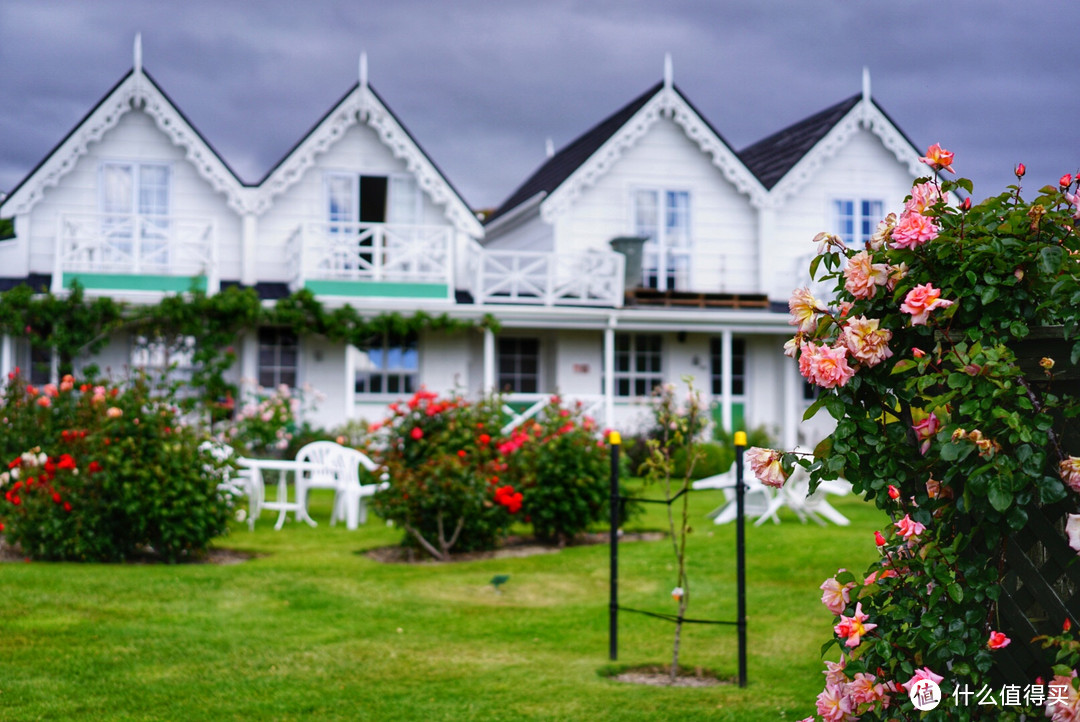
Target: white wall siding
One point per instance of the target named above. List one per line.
(862, 169)
(135, 138)
(359, 151)
(322, 374)
(723, 225)
(579, 362)
(444, 362)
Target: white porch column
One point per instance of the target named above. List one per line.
(609, 374)
(7, 356)
(792, 396)
(249, 365)
(725, 380)
(248, 276)
(489, 361)
(350, 382)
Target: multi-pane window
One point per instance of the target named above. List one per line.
(279, 353)
(856, 220)
(354, 199)
(134, 201)
(738, 366)
(389, 366)
(663, 217)
(637, 364)
(170, 361)
(519, 365)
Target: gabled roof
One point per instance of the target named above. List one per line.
(558, 168)
(807, 143)
(771, 158)
(561, 167)
(361, 104)
(135, 91)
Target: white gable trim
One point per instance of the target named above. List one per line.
(864, 115)
(666, 102)
(361, 105)
(136, 92)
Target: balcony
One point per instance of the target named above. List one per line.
(135, 253)
(547, 279)
(372, 260)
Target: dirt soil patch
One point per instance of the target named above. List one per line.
(659, 676)
(514, 547)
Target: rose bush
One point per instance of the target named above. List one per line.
(942, 423)
(99, 473)
(563, 470)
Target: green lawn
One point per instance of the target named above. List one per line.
(314, 629)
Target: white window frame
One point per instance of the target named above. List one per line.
(153, 238)
(863, 221)
(716, 364)
(639, 382)
(164, 361)
(408, 378)
(516, 374)
(277, 367)
(353, 179)
(665, 260)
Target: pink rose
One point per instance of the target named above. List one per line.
(913, 230)
(908, 527)
(863, 277)
(834, 705)
(866, 341)
(923, 196)
(924, 673)
(825, 366)
(854, 627)
(938, 158)
(998, 640)
(921, 300)
(804, 310)
(765, 464)
(835, 596)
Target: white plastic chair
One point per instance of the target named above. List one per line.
(756, 501)
(336, 467)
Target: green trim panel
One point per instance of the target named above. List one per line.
(738, 415)
(128, 282)
(389, 289)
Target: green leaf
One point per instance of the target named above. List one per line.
(1000, 497)
(1050, 259)
(989, 295)
(814, 408)
(814, 266)
(956, 592)
(903, 365)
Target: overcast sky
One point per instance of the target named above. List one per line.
(481, 84)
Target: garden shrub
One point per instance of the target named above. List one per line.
(564, 470)
(102, 474)
(443, 463)
(271, 423)
(945, 428)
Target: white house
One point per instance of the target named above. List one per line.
(134, 203)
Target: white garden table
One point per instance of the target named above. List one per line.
(282, 505)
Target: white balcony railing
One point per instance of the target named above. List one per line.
(591, 278)
(136, 245)
(378, 252)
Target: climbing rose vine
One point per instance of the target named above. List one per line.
(921, 348)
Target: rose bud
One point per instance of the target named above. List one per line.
(1020, 170)
(880, 540)
(966, 204)
(1066, 180)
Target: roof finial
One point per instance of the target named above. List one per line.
(363, 70)
(669, 72)
(866, 84)
(137, 52)
(549, 148)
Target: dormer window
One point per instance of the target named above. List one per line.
(663, 217)
(855, 220)
(134, 202)
(361, 199)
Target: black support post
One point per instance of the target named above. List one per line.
(615, 441)
(740, 550)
